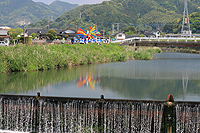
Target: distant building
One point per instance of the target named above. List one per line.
(68, 32)
(122, 36)
(152, 33)
(42, 32)
(23, 23)
(4, 36)
(4, 28)
(28, 32)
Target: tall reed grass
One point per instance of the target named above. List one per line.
(42, 57)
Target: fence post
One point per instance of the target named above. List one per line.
(101, 114)
(169, 116)
(37, 113)
(134, 46)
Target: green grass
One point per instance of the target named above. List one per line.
(43, 57)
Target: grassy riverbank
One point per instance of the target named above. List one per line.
(42, 57)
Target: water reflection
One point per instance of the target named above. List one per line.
(133, 79)
(185, 85)
(88, 80)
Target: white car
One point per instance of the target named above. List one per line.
(3, 43)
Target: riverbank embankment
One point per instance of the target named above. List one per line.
(42, 57)
(180, 50)
(168, 44)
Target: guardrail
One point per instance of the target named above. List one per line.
(157, 39)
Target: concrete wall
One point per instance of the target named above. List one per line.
(43, 42)
(179, 44)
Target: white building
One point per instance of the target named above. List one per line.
(4, 36)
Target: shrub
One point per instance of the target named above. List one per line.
(52, 34)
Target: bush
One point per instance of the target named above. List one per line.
(52, 34)
(34, 35)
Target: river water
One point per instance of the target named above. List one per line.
(168, 73)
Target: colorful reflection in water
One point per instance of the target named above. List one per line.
(88, 81)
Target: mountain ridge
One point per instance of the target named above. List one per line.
(133, 12)
(13, 11)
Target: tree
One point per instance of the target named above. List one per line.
(142, 35)
(162, 34)
(15, 32)
(130, 30)
(52, 34)
(34, 35)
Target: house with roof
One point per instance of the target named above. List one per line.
(4, 36)
(68, 32)
(28, 32)
(122, 36)
(42, 32)
(4, 28)
(152, 33)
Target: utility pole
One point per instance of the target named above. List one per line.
(80, 15)
(103, 32)
(186, 23)
(117, 27)
(24, 31)
(113, 29)
(52, 18)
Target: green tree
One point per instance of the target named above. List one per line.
(15, 32)
(142, 35)
(130, 30)
(34, 35)
(52, 34)
(162, 34)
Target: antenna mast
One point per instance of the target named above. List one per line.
(186, 23)
(49, 2)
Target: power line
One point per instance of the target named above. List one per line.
(148, 24)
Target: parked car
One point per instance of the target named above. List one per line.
(3, 43)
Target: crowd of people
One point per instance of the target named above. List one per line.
(86, 40)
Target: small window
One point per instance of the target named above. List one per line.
(120, 35)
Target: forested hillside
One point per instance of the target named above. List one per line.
(176, 25)
(143, 14)
(13, 11)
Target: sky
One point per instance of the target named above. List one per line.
(79, 2)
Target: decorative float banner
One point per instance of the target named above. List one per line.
(91, 34)
(84, 36)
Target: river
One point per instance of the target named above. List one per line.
(168, 73)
